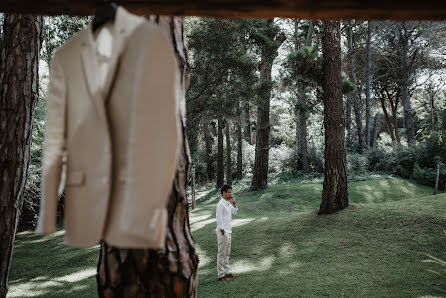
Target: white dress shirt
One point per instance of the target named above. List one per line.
(224, 215)
(103, 42)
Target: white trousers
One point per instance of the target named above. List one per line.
(224, 249)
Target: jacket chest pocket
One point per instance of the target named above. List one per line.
(75, 178)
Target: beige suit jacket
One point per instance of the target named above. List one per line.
(121, 138)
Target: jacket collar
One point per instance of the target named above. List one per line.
(90, 63)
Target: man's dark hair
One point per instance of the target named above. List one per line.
(225, 188)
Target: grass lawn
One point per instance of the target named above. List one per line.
(281, 248)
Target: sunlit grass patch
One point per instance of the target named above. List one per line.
(280, 246)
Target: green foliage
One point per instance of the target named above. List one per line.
(58, 30)
(357, 163)
(304, 66)
(347, 85)
(293, 163)
(30, 207)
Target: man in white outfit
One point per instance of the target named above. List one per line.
(225, 208)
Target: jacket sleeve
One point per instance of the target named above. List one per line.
(53, 149)
(233, 209)
(155, 136)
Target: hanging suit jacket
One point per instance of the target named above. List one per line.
(118, 138)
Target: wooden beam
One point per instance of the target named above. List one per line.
(303, 9)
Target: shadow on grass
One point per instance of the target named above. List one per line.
(43, 266)
(280, 247)
(364, 251)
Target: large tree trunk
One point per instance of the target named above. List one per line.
(334, 194)
(19, 92)
(239, 144)
(208, 147)
(368, 83)
(408, 114)
(220, 155)
(356, 96)
(172, 271)
(260, 170)
(247, 123)
(269, 52)
(228, 154)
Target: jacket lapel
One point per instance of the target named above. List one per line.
(119, 38)
(91, 66)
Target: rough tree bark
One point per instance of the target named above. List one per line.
(208, 146)
(368, 82)
(239, 144)
(172, 271)
(268, 53)
(220, 156)
(19, 79)
(334, 194)
(228, 154)
(356, 96)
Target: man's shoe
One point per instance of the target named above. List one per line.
(231, 275)
(223, 279)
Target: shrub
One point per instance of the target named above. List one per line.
(357, 163)
(378, 160)
(403, 161)
(278, 157)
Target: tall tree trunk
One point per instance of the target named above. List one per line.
(395, 123)
(228, 154)
(334, 194)
(368, 82)
(269, 52)
(220, 156)
(376, 125)
(194, 122)
(303, 139)
(408, 114)
(433, 112)
(247, 123)
(390, 130)
(302, 113)
(348, 120)
(172, 271)
(208, 147)
(239, 143)
(19, 92)
(437, 178)
(357, 94)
